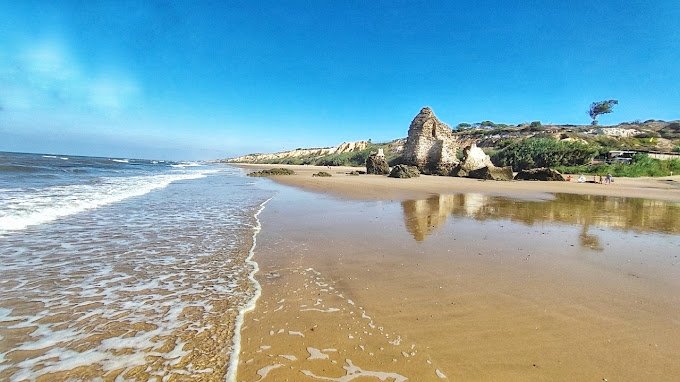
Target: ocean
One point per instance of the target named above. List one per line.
(114, 268)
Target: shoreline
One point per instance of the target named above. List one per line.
(377, 187)
(232, 368)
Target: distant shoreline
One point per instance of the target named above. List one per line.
(375, 187)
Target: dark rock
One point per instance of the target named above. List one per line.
(322, 174)
(404, 171)
(542, 173)
(272, 172)
(376, 164)
(491, 173)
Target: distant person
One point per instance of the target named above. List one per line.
(600, 179)
(581, 178)
(568, 178)
(608, 179)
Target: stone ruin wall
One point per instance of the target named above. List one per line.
(430, 143)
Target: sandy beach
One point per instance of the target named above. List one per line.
(370, 278)
(383, 188)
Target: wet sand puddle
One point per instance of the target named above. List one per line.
(153, 297)
(315, 333)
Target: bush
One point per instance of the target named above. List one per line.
(642, 165)
(671, 131)
(543, 152)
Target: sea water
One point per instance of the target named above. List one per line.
(122, 268)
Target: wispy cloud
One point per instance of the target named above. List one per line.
(46, 75)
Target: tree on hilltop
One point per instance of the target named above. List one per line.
(599, 108)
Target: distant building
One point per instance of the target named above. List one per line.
(626, 156)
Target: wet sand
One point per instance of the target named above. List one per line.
(409, 283)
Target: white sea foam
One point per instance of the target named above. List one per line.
(149, 266)
(236, 348)
(186, 164)
(121, 160)
(263, 372)
(354, 372)
(315, 353)
(32, 207)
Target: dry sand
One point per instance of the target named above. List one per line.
(384, 188)
(437, 278)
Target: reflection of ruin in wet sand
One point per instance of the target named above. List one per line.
(422, 217)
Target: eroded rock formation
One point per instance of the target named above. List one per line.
(376, 164)
(474, 158)
(476, 164)
(430, 145)
(404, 171)
(491, 173)
(542, 173)
(346, 147)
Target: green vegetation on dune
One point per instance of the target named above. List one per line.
(543, 152)
(642, 165)
(569, 148)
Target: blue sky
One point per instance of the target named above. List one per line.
(200, 79)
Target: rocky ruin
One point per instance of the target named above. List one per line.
(430, 145)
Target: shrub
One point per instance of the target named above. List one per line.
(322, 174)
(543, 152)
(642, 165)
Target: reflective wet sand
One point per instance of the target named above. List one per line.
(465, 287)
(423, 216)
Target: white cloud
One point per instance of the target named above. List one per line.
(46, 76)
(112, 92)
